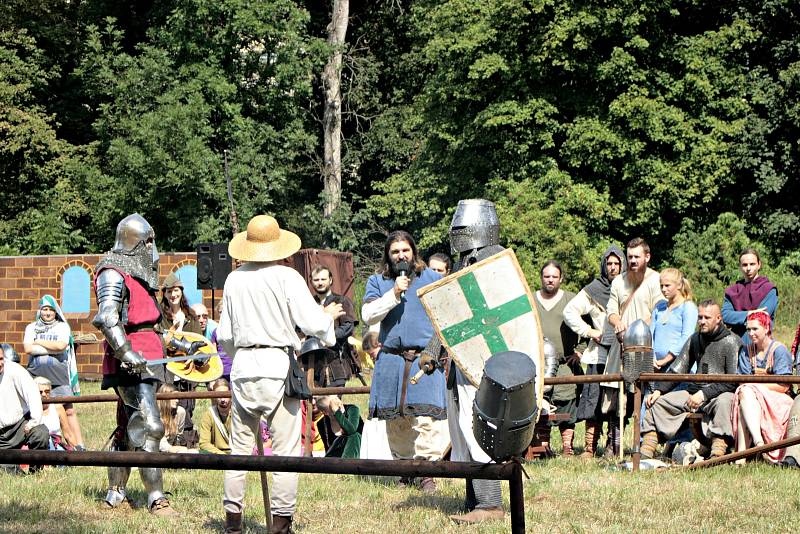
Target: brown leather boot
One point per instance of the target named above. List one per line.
(649, 445)
(567, 435)
(162, 508)
(427, 485)
(591, 440)
(281, 524)
(233, 523)
(718, 447)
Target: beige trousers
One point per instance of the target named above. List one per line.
(414, 438)
(252, 399)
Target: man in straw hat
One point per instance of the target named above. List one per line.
(263, 303)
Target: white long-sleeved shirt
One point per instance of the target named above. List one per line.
(374, 311)
(262, 305)
(582, 304)
(18, 394)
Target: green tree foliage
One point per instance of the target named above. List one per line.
(40, 174)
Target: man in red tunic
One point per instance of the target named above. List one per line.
(126, 280)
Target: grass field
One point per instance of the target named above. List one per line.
(562, 495)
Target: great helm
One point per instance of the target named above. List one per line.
(504, 411)
(132, 232)
(475, 225)
(131, 247)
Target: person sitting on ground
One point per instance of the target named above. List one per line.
(48, 342)
(174, 417)
(178, 316)
(753, 292)
(215, 425)
(761, 411)
(55, 418)
(20, 409)
(715, 350)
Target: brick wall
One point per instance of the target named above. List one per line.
(24, 279)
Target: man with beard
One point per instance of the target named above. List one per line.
(591, 301)
(475, 236)
(633, 296)
(550, 303)
(715, 350)
(215, 426)
(341, 368)
(390, 298)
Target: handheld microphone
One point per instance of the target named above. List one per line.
(402, 269)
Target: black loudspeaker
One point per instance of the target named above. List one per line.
(213, 265)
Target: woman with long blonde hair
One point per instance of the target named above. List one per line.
(674, 319)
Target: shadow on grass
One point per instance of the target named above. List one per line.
(440, 503)
(38, 517)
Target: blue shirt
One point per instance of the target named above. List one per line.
(406, 325)
(781, 364)
(671, 328)
(736, 321)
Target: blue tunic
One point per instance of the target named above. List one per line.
(671, 328)
(405, 327)
(781, 360)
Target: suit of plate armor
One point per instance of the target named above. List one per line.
(125, 283)
(474, 235)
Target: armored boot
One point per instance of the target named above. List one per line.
(157, 502)
(567, 435)
(233, 523)
(117, 481)
(591, 440)
(649, 445)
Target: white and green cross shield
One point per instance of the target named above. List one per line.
(484, 309)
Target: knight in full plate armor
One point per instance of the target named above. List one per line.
(126, 280)
(474, 236)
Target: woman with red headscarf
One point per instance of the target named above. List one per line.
(761, 411)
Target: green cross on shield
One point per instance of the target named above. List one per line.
(485, 321)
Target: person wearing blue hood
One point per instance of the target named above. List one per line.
(51, 351)
(590, 302)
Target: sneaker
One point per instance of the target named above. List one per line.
(479, 515)
(162, 508)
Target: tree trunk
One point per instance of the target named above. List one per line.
(332, 119)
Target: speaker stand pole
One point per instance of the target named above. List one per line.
(213, 307)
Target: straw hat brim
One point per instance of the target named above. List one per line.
(241, 248)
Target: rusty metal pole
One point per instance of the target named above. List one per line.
(517, 500)
(637, 423)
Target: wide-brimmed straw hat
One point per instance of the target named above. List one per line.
(263, 241)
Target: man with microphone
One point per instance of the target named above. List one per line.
(409, 409)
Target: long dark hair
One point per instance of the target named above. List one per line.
(395, 237)
(188, 312)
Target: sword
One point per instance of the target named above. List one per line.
(198, 356)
